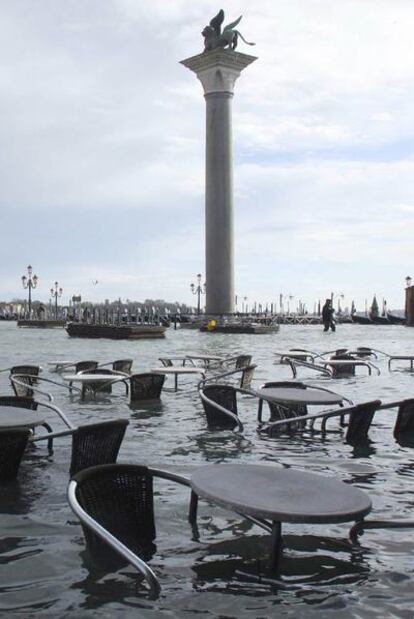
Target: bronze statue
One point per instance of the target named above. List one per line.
(214, 38)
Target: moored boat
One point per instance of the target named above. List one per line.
(115, 332)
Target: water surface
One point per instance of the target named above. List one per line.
(43, 570)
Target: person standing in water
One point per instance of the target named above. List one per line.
(327, 316)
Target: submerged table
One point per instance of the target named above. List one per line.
(95, 378)
(176, 371)
(297, 395)
(16, 417)
(205, 359)
(268, 496)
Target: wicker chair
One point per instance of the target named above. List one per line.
(342, 371)
(115, 505)
(14, 400)
(220, 407)
(280, 411)
(93, 444)
(12, 446)
(122, 365)
(90, 388)
(359, 421)
(146, 386)
(85, 366)
(28, 374)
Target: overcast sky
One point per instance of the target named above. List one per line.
(102, 148)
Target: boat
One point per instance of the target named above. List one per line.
(361, 319)
(381, 320)
(395, 319)
(40, 324)
(116, 332)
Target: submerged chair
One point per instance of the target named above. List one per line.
(359, 419)
(244, 374)
(146, 386)
(277, 409)
(220, 407)
(85, 366)
(90, 388)
(122, 365)
(115, 504)
(12, 446)
(93, 444)
(28, 375)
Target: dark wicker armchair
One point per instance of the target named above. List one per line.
(28, 377)
(146, 386)
(359, 419)
(93, 444)
(85, 366)
(115, 504)
(122, 365)
(12, 446)
(220, 407)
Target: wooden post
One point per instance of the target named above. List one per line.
(409, 306)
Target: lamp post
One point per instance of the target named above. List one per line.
(198, 290)
(28, 283)
(55, 293)
(408, 296)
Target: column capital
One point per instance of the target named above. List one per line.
(218, 69)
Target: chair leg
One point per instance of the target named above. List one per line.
(50, 440)
(276, 551)
(192, 514)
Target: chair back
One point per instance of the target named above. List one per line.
(146, 386)
(341, 371)
(247, 376)
(404, 424)
(360, 420)
(85, 366)
(28, 374)
(120, 498)
(123, 365)
(278, 410)
(242, 361)
(91, 387)
(225, 396)
(12, 445)
(96, 443)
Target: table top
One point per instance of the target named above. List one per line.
(295, 354)
(281, 495)
(93, 378)
(206, 357)
(298, 395)
(402, 357)
(16, 417)
(177, 370)
(344, 362)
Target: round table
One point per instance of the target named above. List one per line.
(278, 495)
(205, 359)
(176, 371)
(16, 417)
(297, 395)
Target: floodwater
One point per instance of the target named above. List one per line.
(43, 570)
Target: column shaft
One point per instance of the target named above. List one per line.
(219, 204)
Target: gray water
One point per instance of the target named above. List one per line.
(43, 571)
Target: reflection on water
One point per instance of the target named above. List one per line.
(223, 570)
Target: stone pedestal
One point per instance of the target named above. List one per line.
(217, 71)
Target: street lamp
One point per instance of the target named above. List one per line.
(198, 290)
(55, 293)
(29, 282)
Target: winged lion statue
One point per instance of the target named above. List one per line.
(215, 38)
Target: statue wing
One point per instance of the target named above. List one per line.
(216, 22)
(232, 25)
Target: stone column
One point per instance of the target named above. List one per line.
(217, 71)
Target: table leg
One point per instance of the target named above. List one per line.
(176, 382)
(276, 552)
